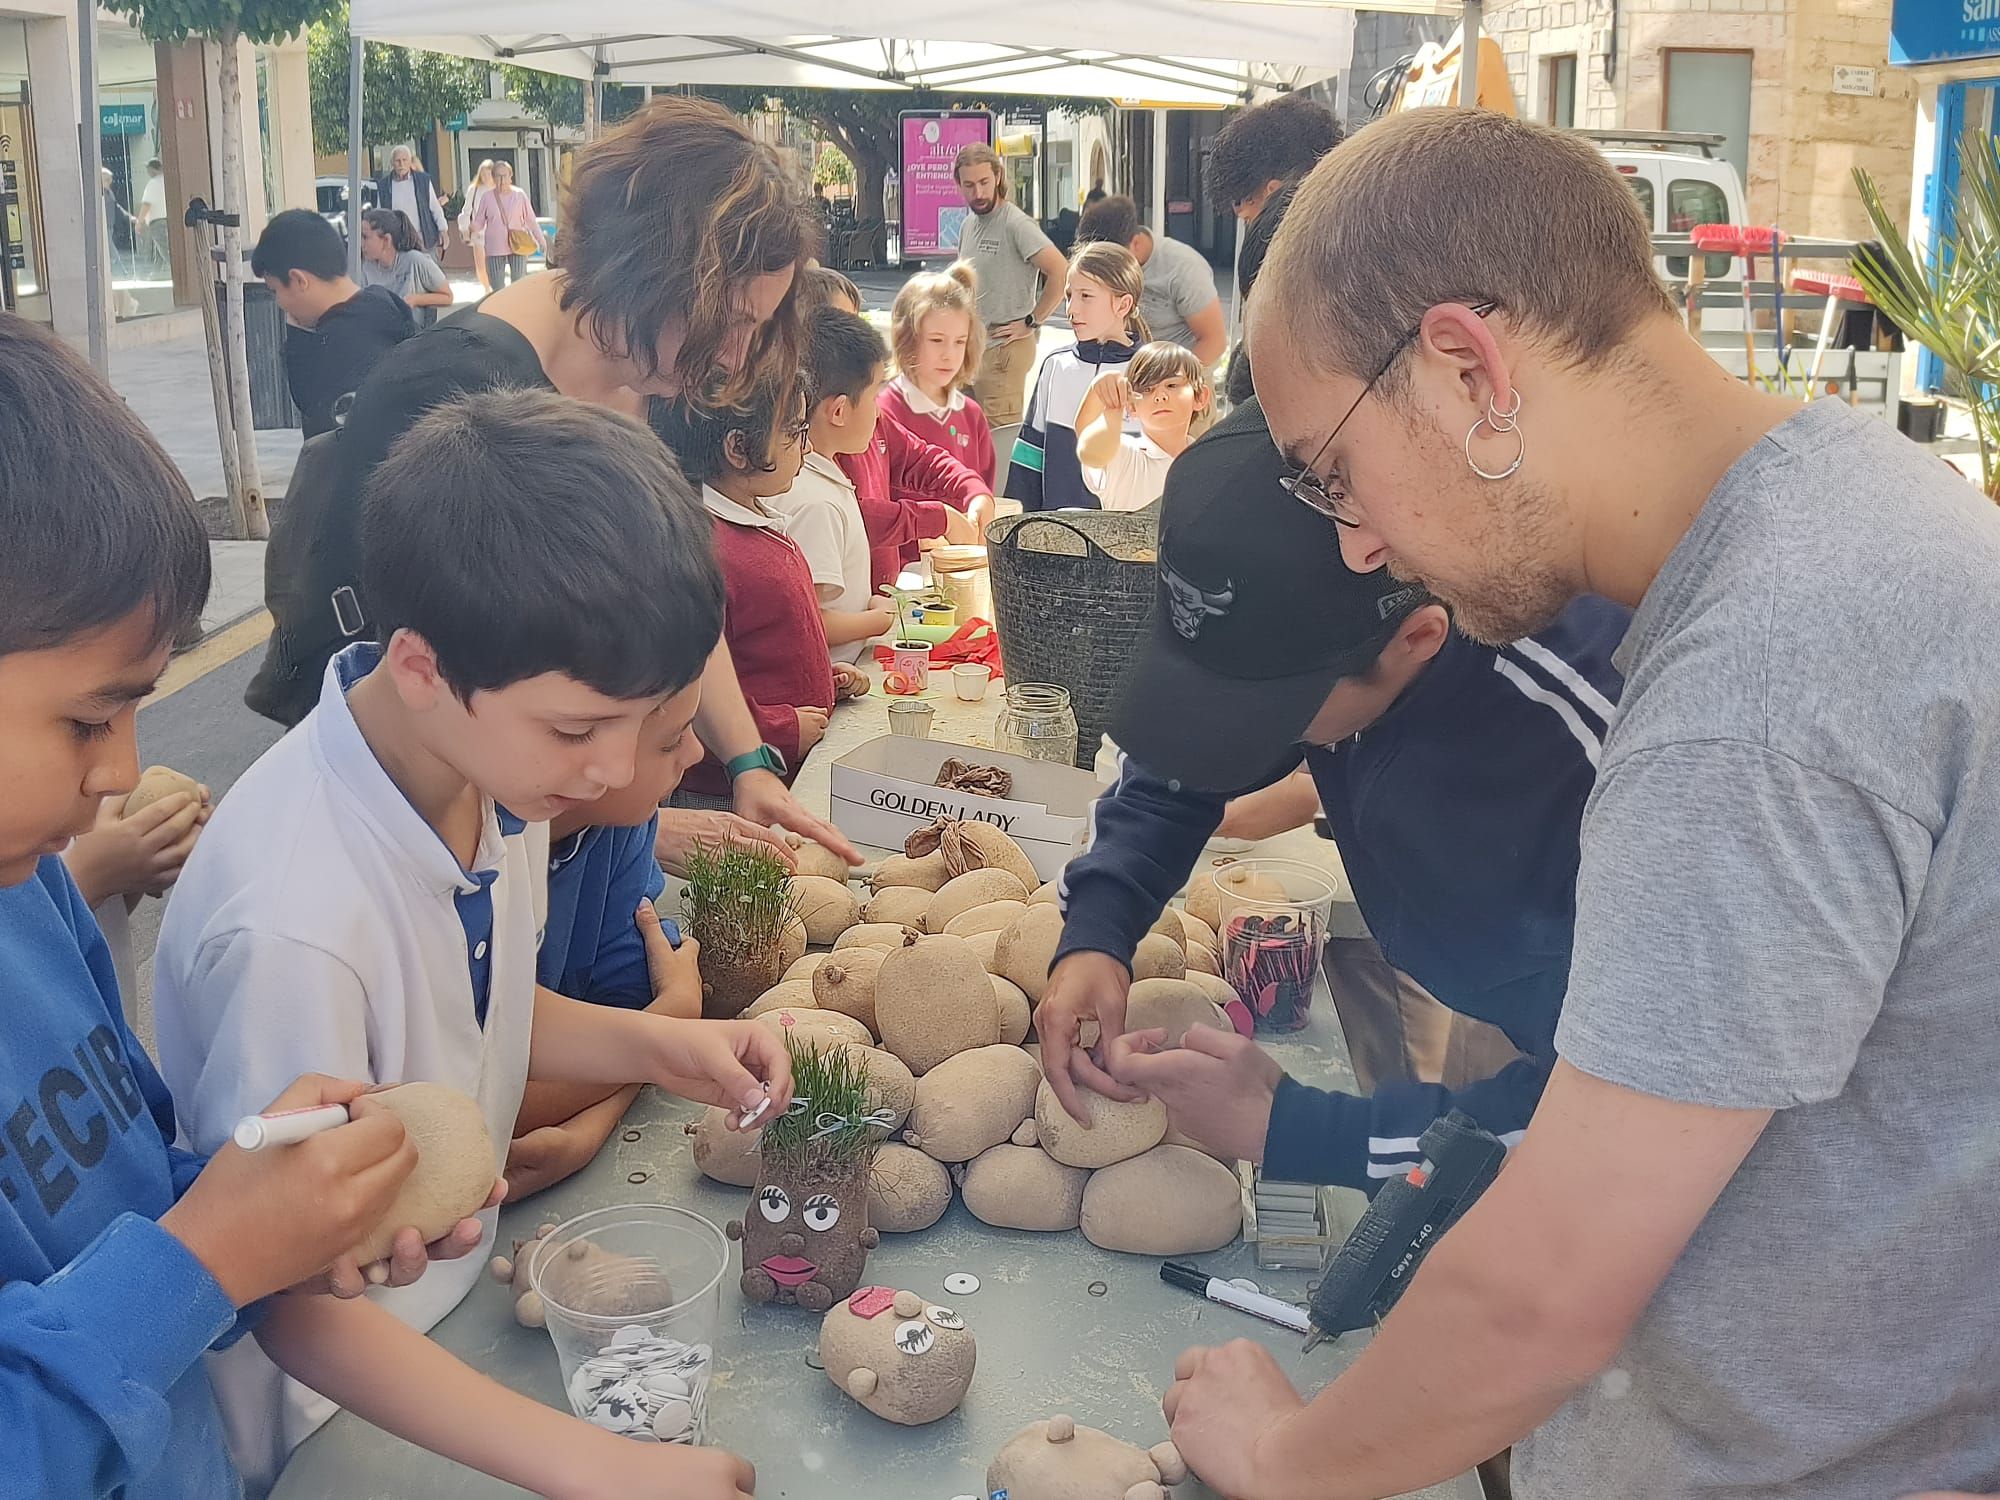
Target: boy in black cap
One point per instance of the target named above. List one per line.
(1453, 776)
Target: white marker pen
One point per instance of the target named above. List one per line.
(1193, 1279)
(287, 1126)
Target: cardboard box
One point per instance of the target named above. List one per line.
(884, 791)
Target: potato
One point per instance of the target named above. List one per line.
(1116, 1131)
(974, 888)
(994, 917)
(926, 874)
(907, 1190)
(803, 969)
(846, 982)
(724, 1155)
(933, 1000)
(874, 935)
(1026, 949)
(1016, 1015)
(902, 905)
(1174, 1005)
(818, 860)
(787, 994)
(1023, 1187)
(971, 1101)
(456, 1162)
(1170, 1201)
(811, 1024)
(1158, 958)
(827, 907)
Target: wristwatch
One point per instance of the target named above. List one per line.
(1028, 320)
(763, 758)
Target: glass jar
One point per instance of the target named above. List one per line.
(1037, 723)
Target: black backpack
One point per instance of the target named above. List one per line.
(310, 572)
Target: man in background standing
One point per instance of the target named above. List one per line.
(408, 189)
(1180, 303)
(1009, 252)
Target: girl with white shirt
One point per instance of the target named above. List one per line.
(1164, 388)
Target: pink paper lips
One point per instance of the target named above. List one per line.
(790, 1270)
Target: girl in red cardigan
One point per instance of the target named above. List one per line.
(740, 458)
(938, 339)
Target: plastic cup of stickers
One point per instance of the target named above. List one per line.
(1274, 926)
(633, 1299)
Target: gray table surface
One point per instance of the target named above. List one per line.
(1062, 1326)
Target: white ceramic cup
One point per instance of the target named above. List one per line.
(969, 679)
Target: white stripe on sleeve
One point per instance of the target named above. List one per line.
(1566, 710)
(1568, 676)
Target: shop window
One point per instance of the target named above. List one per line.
(1709, 92)
(1643, 191)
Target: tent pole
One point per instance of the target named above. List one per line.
(354, 150)
(1468, 54)
(96, 224)
(1159, 199)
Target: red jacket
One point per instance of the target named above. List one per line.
(902, 484)
(964, 433)
(772, 624)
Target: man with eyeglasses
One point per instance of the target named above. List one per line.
(1746, 1246)
(1452, 775)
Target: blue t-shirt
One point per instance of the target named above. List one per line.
(103, 1314)
(591, 949)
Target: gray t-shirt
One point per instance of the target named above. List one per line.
(1002, 247)
(413, 272)
(1789, 899)
(1179, 283)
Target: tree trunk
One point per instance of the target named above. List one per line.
(870, 170)
(246, 502)
(590, 109)
(218, 371)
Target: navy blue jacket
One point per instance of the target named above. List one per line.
(1457, 816)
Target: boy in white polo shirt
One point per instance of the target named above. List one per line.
(1165, 387)
(368, 896)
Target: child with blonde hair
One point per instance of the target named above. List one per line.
(1105, 284)
(1165, 388)
(935, 331)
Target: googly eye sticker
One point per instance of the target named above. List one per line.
(822, 1212)
(775, 1204)
(914, 1337)
(944, 1317)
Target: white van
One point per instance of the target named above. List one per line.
(1681, 180)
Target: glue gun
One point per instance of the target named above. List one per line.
(1381, 1256)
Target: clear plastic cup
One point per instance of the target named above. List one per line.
(632, 1297)
(1275, 914)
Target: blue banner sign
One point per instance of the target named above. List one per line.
(121, 119)
(1934, 31)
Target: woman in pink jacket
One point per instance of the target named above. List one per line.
(506, 225)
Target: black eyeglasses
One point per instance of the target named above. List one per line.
(1306, 486)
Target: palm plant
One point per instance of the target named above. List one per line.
(1949, 301)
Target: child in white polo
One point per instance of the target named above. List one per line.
(1165, 387)
(368, 900)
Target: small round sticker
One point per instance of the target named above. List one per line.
(944, 1317)
(961, 1283)
(914, 1337)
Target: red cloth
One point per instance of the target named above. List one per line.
(902, 484)
(772, 624)
(963, 434)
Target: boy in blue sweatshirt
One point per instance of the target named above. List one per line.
(1453, 776)
(121, 1258)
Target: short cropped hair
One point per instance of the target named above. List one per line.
(299, 240)
(698, 434)
(96, 522)
(1280, 140)
(822, 286)
(979, 154)
(520, 532)
(843, 354)
(1454, 205)
(1115, 218)
(664, 220)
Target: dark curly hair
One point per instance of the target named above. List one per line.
(1278, 140)
(663, 221)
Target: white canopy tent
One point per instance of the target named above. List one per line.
(1151, 53)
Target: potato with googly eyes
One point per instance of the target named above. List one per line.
(907, 1360)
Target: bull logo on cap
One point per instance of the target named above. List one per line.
(1193, 605)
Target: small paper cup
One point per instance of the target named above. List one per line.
(969, 679)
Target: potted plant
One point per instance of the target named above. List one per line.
(1949, 301)
(737, 904)
(805, 1233)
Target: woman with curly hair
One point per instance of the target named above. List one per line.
(681, 240)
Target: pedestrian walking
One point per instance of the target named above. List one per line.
(506, 225)
(408, 189)
(482, 184)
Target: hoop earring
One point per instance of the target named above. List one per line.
(1498, 421)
